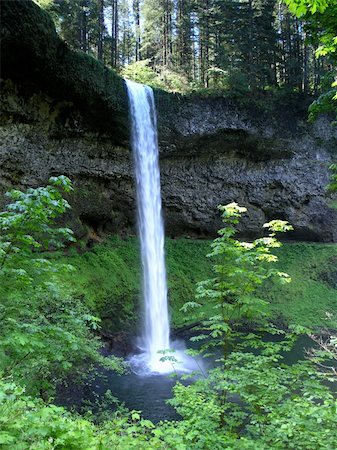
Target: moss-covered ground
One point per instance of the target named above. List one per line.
(108, 278)
(311, 297)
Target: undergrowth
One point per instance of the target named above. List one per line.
(108, 280)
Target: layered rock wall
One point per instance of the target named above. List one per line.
(64, 113)
(213, 152)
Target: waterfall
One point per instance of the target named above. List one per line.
(156, 332)
(144, 143)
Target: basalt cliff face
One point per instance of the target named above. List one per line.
(64, 113)
(276, 165)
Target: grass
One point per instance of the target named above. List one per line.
(108, 279)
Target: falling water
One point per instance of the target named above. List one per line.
(150, 223)
(156, 334)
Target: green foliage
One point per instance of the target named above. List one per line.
(324, 12)
(321, 23)
(45, 334)
(333, 179)
(326, 103)
(108, 278)
(324, 354)
(257, 402)
(239, 269)
(27, 423)
(250, 400)
(44, 3)
(231, 47)
(26, 229)
(142, 72)
(300, 7)
(108, 281)
(236, 83)
(269, 405)
(310, 299)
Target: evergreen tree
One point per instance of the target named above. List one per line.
(183, 44)
(114, 59)
(127, 38)
(239, 45)
(100, 28)
(157, 45)
(136, 13)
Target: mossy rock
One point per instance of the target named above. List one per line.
(35, 58)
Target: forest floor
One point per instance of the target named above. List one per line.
(108, 279)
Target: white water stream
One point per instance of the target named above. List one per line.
(144, 141)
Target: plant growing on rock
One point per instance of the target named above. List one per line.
(333, 178)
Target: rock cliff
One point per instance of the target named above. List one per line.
(65, 113)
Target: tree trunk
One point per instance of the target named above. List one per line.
(100, 29)
(114, 33)
(137, 28)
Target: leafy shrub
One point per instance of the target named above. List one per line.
(250, 400)
(239, 269)
(142, 72)
(45, 334)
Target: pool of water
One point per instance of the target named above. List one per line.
(149, 393)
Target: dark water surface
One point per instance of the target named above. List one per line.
(145, 393)
(142, 393)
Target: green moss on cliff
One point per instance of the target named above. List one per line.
(108, 278)
(29, 41)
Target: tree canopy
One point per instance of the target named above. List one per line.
(240, 46)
